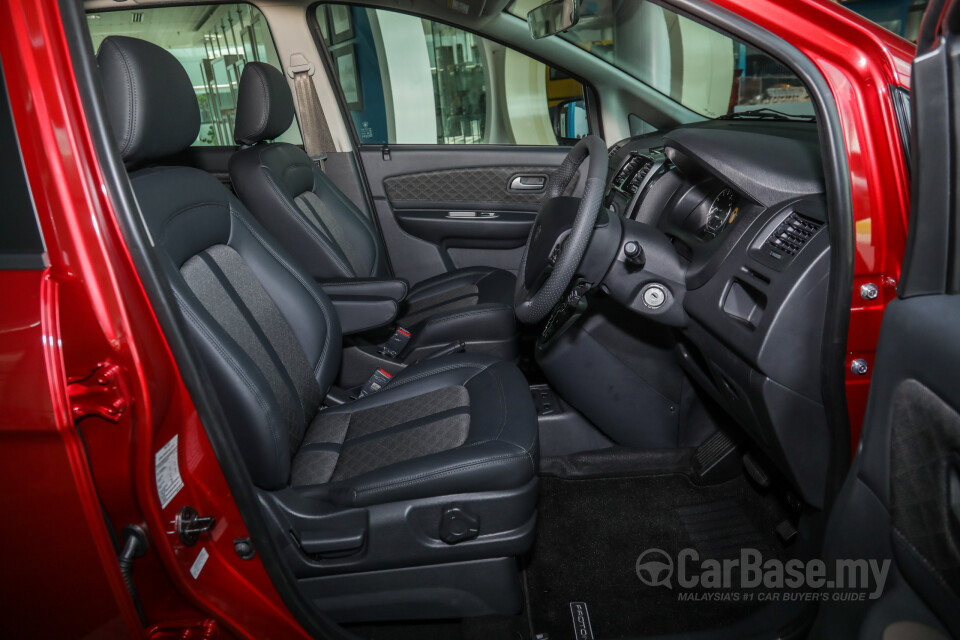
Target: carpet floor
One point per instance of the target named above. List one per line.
(582, 579)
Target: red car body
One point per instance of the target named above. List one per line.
(79, 340)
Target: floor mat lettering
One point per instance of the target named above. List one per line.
(582, 629)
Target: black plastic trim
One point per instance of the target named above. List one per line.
(23, 262)
(24, 240)
(901, 105)
(930, 264)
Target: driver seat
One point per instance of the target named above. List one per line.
(412, 502)
(336, 242)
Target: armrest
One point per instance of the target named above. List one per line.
(361, 313)
(392, 288)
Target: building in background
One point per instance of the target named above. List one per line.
(902, 17)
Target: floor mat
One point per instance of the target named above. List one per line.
(582, 580)
(483, 628)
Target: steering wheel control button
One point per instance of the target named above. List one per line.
(859, 367)
(555, 254)
(654, 296)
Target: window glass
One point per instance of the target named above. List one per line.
(213, 42)
(410, 80)
(639, 126)
(899, 16)
(21, 246)
(705, 71)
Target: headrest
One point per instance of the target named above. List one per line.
(264, 104)
(150, 100)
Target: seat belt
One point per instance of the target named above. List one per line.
(317, 140)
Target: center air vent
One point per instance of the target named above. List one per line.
(792, 234)
(631, 174)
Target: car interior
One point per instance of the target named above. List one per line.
(486, 329)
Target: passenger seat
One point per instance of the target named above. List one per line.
(339, 246)
(412, 502)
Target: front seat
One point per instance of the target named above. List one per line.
(412, 502)
(338, 245)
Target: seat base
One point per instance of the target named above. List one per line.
(398, 535)
(443, 591)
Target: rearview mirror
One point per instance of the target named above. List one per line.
(555, 16)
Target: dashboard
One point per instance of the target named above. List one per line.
(741, 207)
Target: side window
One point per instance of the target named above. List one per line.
(21, 246)
(213, 42)
(408, 80)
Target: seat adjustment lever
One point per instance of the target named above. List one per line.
(457, 525)
(332, 540)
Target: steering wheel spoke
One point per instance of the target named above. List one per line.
(561, 233)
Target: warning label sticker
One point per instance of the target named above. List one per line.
(167, 467)
(201, 560)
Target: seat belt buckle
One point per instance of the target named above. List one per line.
(377, 381)
(396, 343)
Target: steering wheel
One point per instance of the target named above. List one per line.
(560, 233)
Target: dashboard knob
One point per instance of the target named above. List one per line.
(633, 253)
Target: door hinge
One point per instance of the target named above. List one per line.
(103, 393)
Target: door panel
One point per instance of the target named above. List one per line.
(458, 134)
(477, 228)
(901, 499)
(442, 207)
(898, 499)
(493, 187)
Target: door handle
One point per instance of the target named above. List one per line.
(528, 182)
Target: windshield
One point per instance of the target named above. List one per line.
(705, 71)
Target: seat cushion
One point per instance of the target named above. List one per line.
(457, 424)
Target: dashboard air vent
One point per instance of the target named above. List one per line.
(613, 150)
(793, 234)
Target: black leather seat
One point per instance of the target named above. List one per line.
(346, 480)
(335, 241)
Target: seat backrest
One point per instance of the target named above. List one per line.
(288, 192)
(267, 334)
